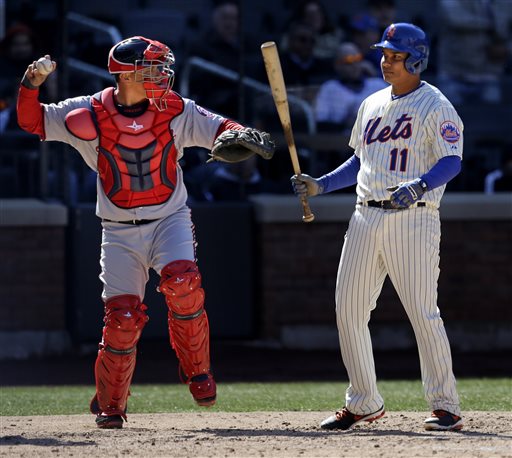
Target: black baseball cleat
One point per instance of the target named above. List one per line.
(103, 420)
(345, 419)
(109, 421)
(442, 420)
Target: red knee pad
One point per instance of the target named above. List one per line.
(181, 285)
(125, 318)
(188, 322)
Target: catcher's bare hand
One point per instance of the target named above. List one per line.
(34, 77)
(238, 145)
(305, 186)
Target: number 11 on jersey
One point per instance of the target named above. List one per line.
(394, 159)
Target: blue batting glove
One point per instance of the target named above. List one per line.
(405, 194)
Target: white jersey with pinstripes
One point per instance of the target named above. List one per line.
(399, 139)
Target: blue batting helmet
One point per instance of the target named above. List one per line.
(404, 37)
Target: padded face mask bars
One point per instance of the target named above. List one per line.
(157, 77)
(151, 60)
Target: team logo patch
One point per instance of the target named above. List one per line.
(450, 132)
(135, 126)
(391, 32)
(204, 112)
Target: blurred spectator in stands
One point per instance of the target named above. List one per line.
(38, 15)
(338, 99)
(327, 35)
(18, 49)
(235, 181)
(19, 153)
(8, 108)
(303, 72)
(384, 12)
(220, 45)
(473, 49)
(364, 32)
(223, 181)
(500, 180)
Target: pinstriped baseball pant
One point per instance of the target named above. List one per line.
(404, 245)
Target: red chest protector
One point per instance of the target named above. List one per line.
(136, 156)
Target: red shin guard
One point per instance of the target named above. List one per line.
(125, 318)
(188, 322)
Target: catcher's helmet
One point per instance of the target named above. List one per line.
(151, 59)
(404, 37)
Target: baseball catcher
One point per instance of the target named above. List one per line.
(133, 136)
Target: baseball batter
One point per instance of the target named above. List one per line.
(408, 144)
(133, 136)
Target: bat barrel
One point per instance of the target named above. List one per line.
(277, 85)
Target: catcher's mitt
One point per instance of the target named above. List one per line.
(238, 145)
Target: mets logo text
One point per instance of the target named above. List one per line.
(450, 132)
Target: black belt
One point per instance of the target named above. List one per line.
(387, 205)
(134, 222)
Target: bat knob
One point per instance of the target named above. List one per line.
(308, 218)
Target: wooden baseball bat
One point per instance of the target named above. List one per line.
(276, 81)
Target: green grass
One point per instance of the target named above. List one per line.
(475, 394)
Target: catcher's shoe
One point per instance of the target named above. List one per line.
(345, 419)
(109, 421)
(441, 420)
(203, 389)
(104, 420)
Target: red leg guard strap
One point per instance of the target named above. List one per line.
(188, 322)
(125, 318)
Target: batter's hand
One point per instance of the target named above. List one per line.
(405, 194)
(33, 77)
(306, 186)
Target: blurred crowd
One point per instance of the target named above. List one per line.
(328, 68)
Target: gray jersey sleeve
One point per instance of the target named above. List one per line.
(55, 127)
(196, 126)
(55, 115)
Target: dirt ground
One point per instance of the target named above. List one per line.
(285, 434)
(215, 434)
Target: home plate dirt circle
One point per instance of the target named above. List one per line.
(258, 434)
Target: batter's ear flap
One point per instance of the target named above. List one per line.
(81, 124)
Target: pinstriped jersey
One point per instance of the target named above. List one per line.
(401, 138)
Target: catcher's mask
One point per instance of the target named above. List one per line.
(405, 37)
(150, 60)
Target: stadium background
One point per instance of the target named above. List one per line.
(269, 278)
